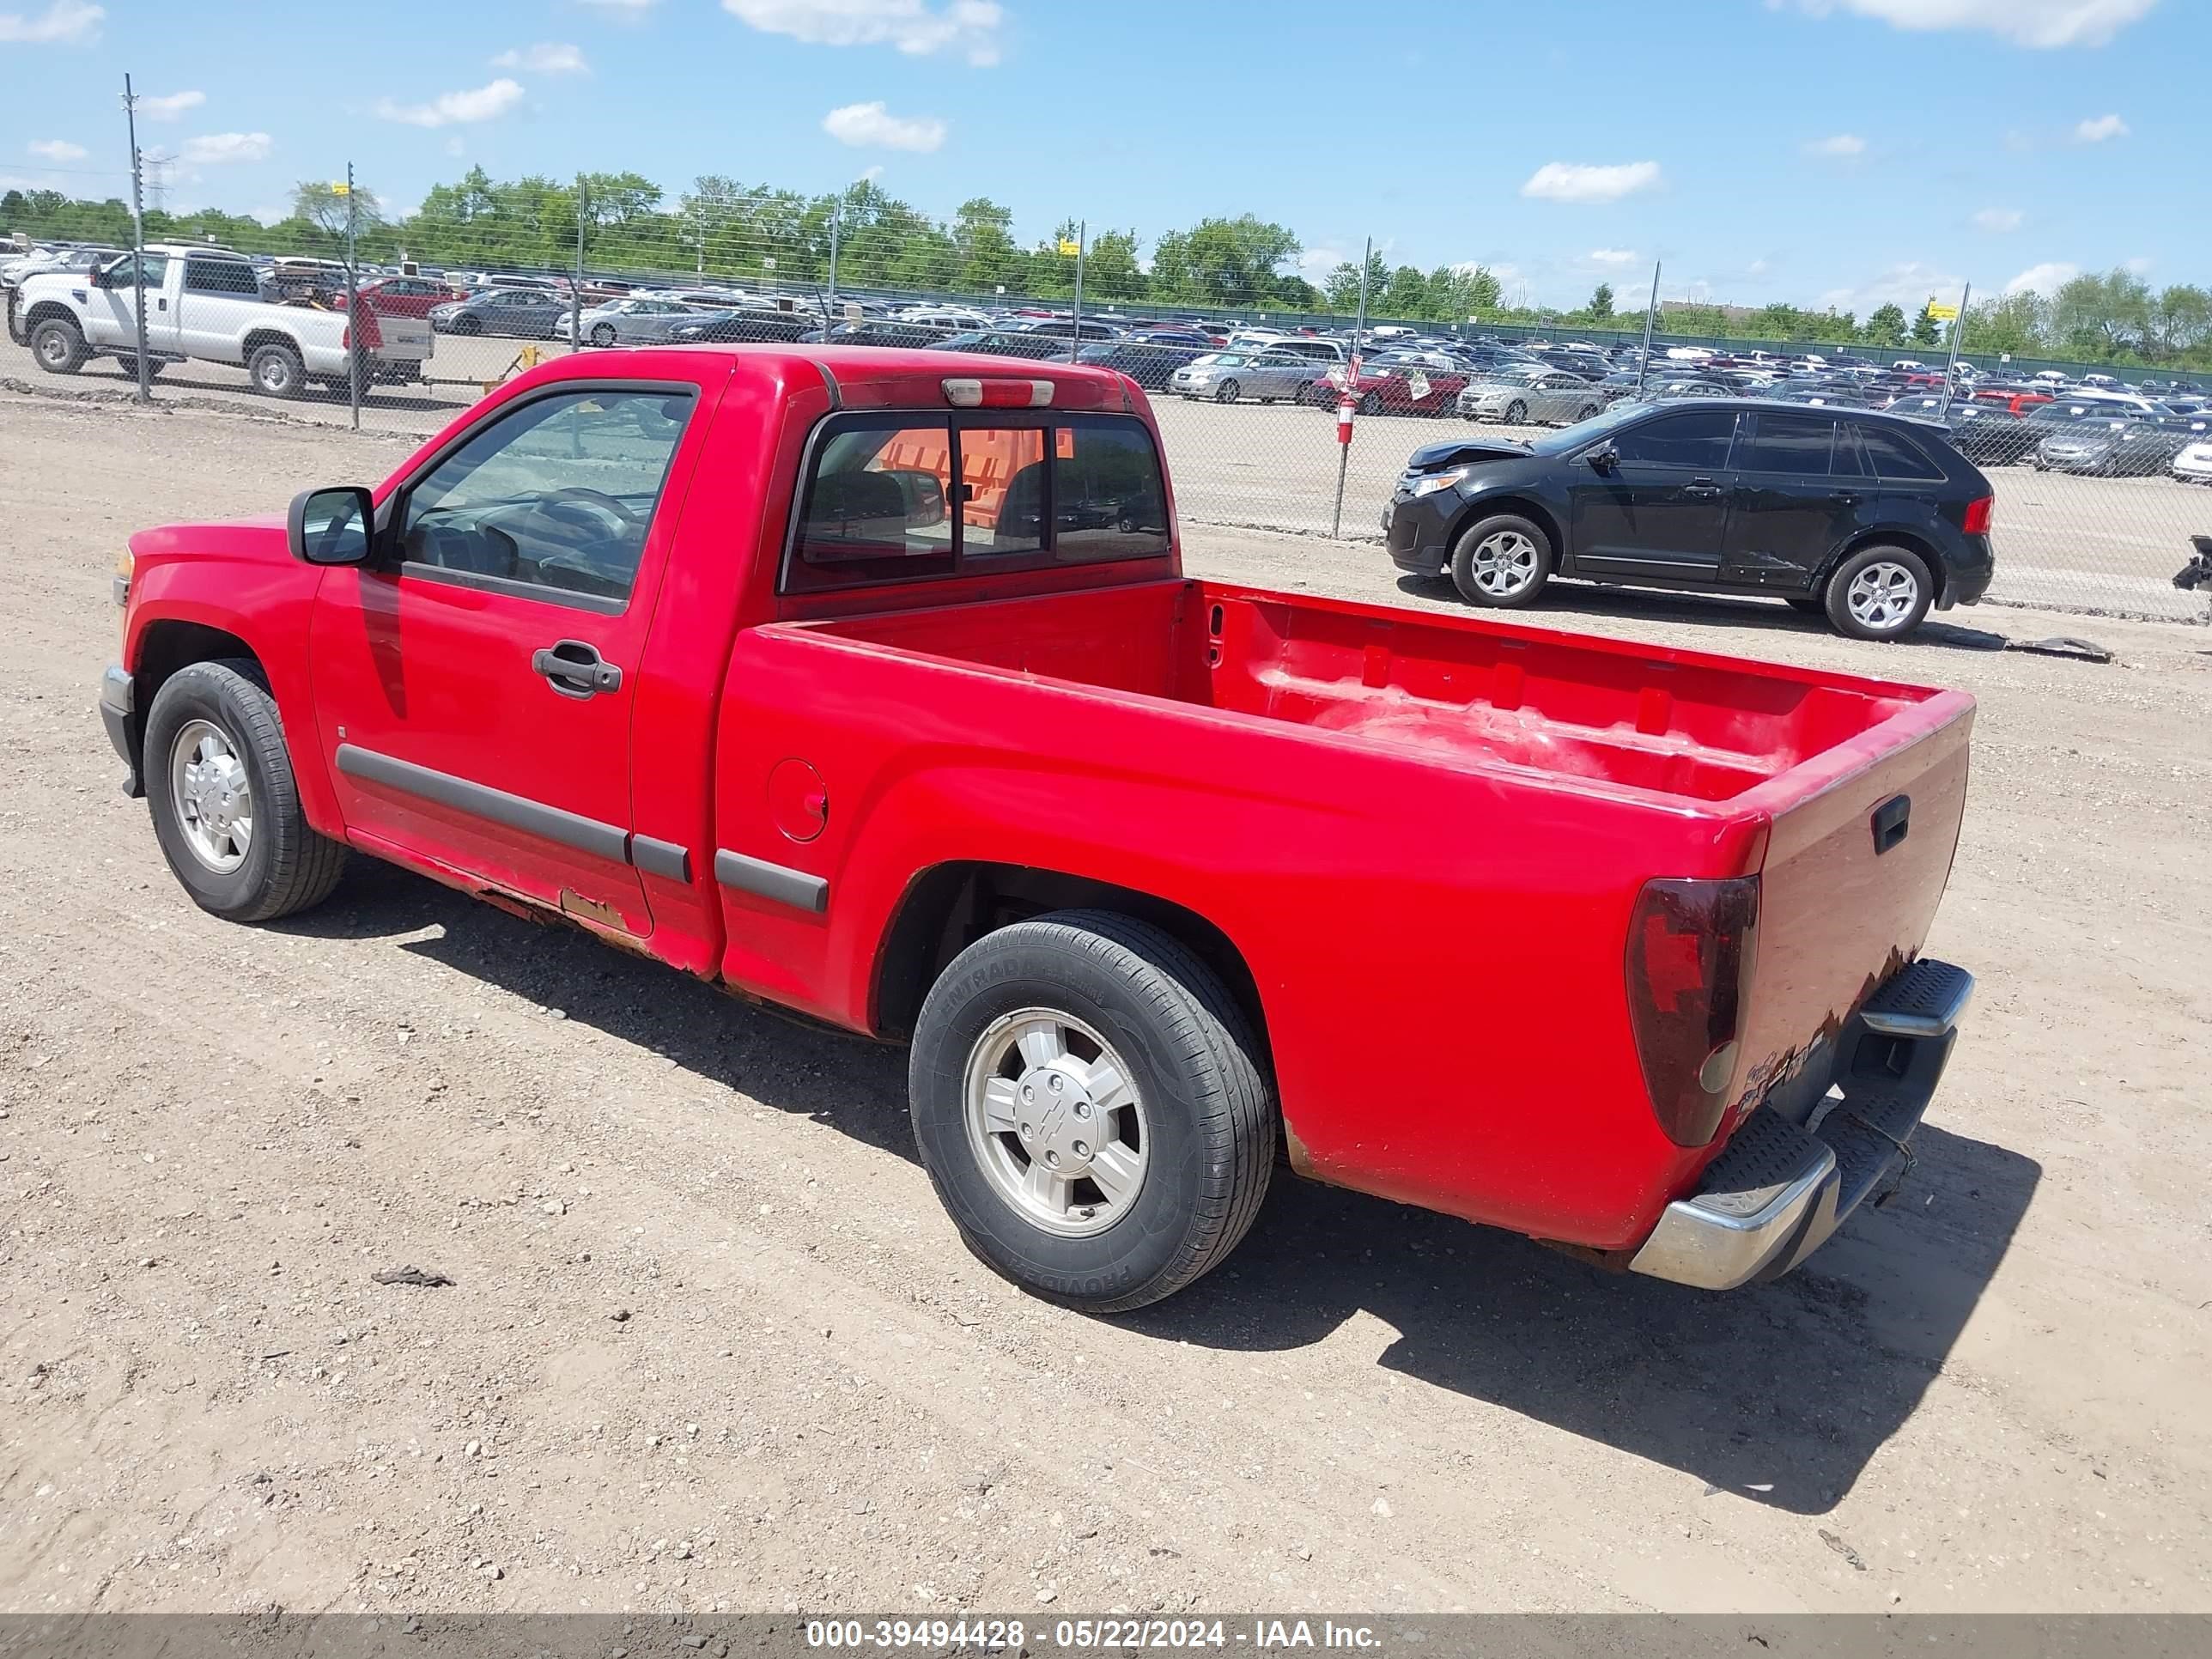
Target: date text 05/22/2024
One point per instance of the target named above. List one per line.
(993, 1635)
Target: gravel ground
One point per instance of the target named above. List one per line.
(710, 1343)
(2095, 545)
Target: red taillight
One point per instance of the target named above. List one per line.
(1691, 946)
(345, 339)
(1978, 515)
(998, 394)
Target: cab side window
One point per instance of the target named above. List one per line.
(222, 276)
(557, 494)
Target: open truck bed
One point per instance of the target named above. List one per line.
(1443, 828)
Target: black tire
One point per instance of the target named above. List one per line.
(59, 345)
(1469, 578)
(1372, 404)
(287, 867)
(1590, 413)
(1835, 597)
(468, 324)
(1227, 391)
(129, 365)
(603, 334)
(1516, 413)
(1209, 1123)
(276, 371)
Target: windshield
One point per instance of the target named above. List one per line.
(1565, 438)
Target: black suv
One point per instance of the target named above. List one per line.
(1867, 518)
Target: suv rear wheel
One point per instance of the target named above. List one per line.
(1880, 593)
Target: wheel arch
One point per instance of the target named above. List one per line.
(949, 906)
(267, 337)
(1526, 506)
(49, 310)
(1902, 536)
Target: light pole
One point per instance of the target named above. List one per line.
(138, 238)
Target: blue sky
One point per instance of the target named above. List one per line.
(1844, 151)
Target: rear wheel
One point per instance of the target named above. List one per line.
(276, 371)
(1880, 593)
(130, 367)
(603, 334)
(1372, 404)
(1502, 561)
(1589, 412)
(58, 345)
(1092, 1108)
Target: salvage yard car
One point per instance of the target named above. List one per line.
(205, 304)
(1865, 517)
(866, 683)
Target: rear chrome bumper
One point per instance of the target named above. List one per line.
(1781, 1188)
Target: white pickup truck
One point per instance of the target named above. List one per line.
(204, 304)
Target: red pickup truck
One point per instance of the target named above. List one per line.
(867, 684)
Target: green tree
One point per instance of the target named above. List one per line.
(1340, 288)
(1601, 303)
(1111, 272)
(15, 207)
(2012, 322)
(1926, 331)
(1405, 295)
(1885, 325)
(1223, 262)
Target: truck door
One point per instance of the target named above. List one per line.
(474, 683)
(212, 307)
(113, 316)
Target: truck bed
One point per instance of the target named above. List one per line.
(1462, 692)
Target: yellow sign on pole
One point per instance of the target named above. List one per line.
(1943, 313)
(1071, 249)
(339, 187)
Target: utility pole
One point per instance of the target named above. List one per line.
(1650, 313)
(1075, 340)
(138, 236)
(1958, 328)
(355, 343)
(576, 287)
(830, 305)
(1351, 394)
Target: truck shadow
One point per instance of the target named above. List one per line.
(1780, 1394)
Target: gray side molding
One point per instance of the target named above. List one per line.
(605, 841)
(771, 881)
(660, 858)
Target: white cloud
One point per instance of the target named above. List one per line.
(58, 149)
(873, 125)
(1999, 220)
(2046, 278)
(1841, 146)
(2096, 129)
(870, 175)
(483, 103)
(971, 26)
(214, 149)
(1570, 182)
(2036, 23)
(65, 22)
(1906, 286)
(1319, 261)
(1613, 256)
(1758, 268)
(168, 105)
(2138, 265)
(546, 58)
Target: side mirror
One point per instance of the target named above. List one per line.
(1604, 458)
(330, 525)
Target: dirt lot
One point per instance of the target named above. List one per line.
(2098, 544)
(711, 1343)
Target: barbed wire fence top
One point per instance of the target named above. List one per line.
(414, 316)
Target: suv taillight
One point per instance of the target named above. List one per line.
(1691, 947)
(1978, 515)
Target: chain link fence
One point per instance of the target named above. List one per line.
(2098, 471)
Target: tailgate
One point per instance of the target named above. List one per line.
(1856, 859)
(405, 339)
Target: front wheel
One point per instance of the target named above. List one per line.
(225, 805)
(1880, 593)
(1092, 1108)
(59, 345)
(1502, 561)
(1226, 393)
(130, 367)
(603, 334)
(1372, 404)
(1516, 413)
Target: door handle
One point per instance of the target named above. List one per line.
(1703, 488)
(574, 668)
(161, 304)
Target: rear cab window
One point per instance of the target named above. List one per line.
(909, 497)
(1894, 455)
